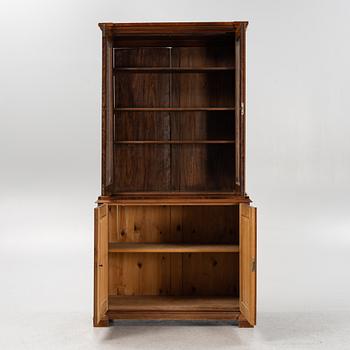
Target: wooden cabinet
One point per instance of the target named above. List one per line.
(175, 235)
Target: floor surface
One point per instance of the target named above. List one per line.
(274, 331)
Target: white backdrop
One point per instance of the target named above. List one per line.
(298, 146)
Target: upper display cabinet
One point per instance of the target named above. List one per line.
(173, 109)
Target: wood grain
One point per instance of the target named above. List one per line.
(219, 227)
(139, 274)
(150, 274)
(101, 265)
(149, 244)
(172, 28)
(171, 69)
(208, 167)
(138, 224)
(174, 224)
(173, 109)
(175, 237)
(172, 303)
(203, 125)
(209, 86)
(210, 274)
(173, 315)
(179, 199)
(171, 248)
(247, 262)
(145, 168)
(175, 142)
(148, 126)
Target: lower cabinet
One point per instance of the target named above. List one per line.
(175, 262)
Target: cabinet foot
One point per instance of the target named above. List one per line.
(102, 323)
(244, 324)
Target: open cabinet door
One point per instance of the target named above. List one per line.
(240, 109)
(101, 266)
(107, 116)
(238, 112)
(247, 239)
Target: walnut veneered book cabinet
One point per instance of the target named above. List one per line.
(175, 235)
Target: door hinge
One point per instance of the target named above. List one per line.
(242, 108)
(253, 265)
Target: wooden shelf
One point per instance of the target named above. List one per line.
(172, 69)
(177, 142)
(171, 248)
(173, 303)
(172, 109)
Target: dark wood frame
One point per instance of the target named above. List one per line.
(182, 34)
(157, 31)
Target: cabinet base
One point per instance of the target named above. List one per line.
(173, 316)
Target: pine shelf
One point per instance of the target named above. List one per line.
(171, 248)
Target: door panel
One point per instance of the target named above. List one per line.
(109, 115)
(101, 265)
(240, 58)
(238, 112)
(247, 238)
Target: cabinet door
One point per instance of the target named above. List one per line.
(247, 241)
(240, 109)
(107, 116)
(101, 266)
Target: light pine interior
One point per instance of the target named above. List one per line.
(187, 274)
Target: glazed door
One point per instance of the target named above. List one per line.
(101, 265)
(239, 109)
(108, 118)
(247, 241)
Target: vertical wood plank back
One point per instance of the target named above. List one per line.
(174, 274)
(210, 274)
(139, 274)
(142, 167)
(148, 224)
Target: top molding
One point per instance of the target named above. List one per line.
(172, 27)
